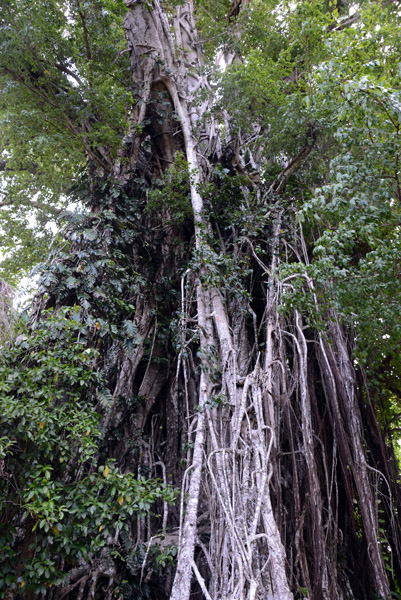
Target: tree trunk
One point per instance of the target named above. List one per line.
(236, 448)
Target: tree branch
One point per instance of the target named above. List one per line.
(4, 168)
(86, 40)
(30, 204)
(278, 185)
(340, 25)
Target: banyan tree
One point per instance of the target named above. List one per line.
(202, 399)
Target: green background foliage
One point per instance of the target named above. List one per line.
(72, 498)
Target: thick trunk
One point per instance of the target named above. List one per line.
(237, 465)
